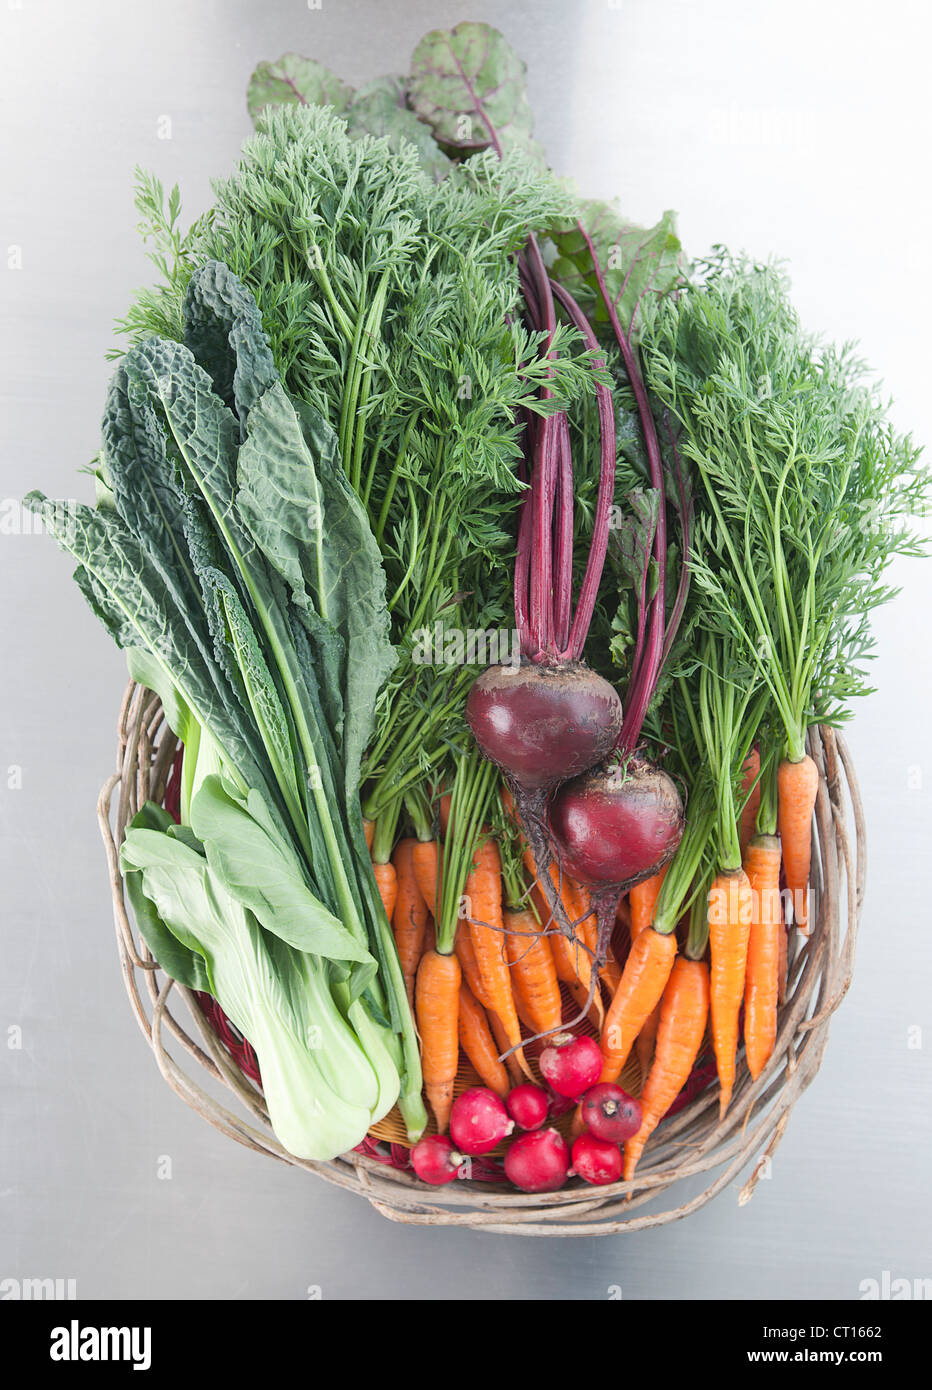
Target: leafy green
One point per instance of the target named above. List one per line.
(293, 80)
(636, 263)
(468, 85)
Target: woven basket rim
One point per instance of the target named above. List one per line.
(691, 1143)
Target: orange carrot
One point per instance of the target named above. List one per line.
(595, 1012)
(436, 1000)
(610, 974)
(729, 929)
(646, 1041)
(477, 1042)
(387, 883)
(467, 958)
(409, 920)
(443, 811)
(368, 829)
(642, 983)
(533, 974)
(483, 893)
(425, 859)
(750, 788)
(683, 1014)
(643, 899)
(797, 785)
(761, 986)
(512, 1064)
(782, 965)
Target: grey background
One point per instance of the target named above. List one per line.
(793, 128)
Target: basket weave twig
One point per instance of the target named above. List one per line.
(692, 1144)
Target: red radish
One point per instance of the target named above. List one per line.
(538, 1162)
(571, 1064)
(596, 1160)
(528, 1105)
(435, 1160)
(479, 1121)
(610, 1113)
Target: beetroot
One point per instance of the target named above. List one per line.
(617, 824)
(435, 1160)
(479, 1121)
(543, 724)
(596, 1160)
(538, 1162)
(610, 1113)
(528, 1105)
(571, 1064)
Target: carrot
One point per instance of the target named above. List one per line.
(533, 973)
(646, 1041)
(642, 983)
(761, 987)
(467, 958)
(684, 1010)
(782, 965)
(386, 881)
(409, 920)
(571, 958)
(368, 829)
(443, 811)
(595, 1009)
(643, 899)
(425, 860)
(750, 788)
(797, 785)
(729, 915)
(430, 936)
(436, 1000)
(477, 1042)
(610, 974)
(483, 893)
(512, 1064)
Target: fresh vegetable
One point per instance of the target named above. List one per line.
(570, 1065)
(479, 1121)
(538, 1162)
(409, 918)
(610, 1113)
(527, 1105)
(478, 1043)
(683, 1016)
(435, 1160)
(436, 998)
(595, 1160)
(645, 975)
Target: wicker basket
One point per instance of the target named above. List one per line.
(690, 1144)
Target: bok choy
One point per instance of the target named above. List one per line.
(230, 558)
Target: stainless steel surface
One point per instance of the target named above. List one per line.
(799, 129)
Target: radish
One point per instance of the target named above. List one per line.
(479, 1121)
(610, 1113)
(528, 1105)
(435, 1160)
(538, 1162)
(571, 1064)
(596, 1160)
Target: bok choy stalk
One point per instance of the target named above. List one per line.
(231, 559)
